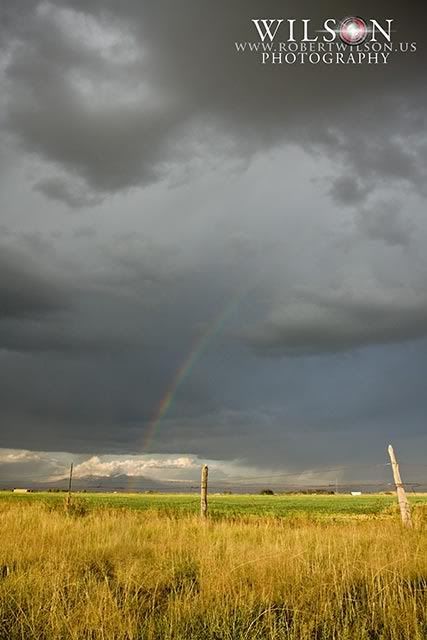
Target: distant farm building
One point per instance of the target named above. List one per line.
(20, 490)
(356, 493)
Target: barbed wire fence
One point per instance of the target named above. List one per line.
(357, 478)
(312, 480)
(399, 486)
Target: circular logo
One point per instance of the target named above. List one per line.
(353, 30)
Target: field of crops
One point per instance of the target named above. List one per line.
(229, 505)
(332, 568)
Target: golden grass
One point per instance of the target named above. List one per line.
(132, 575)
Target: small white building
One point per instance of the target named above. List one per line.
(356, 493)
(20, 490)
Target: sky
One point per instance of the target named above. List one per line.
(207, 258)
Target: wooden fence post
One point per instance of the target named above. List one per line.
(405, 509)
(204, 492)
(68, 500)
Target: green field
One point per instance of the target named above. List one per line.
(229, 505)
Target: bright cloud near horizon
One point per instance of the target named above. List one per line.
(203, 258)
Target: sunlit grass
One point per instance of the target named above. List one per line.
(133, 574)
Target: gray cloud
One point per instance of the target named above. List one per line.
(348, 190)
(25, 292)
(341, 321)
(386, 221)
(135, 103)
(23, 466)
(61, 190)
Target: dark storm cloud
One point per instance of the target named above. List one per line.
(143, 293)
(347, 190)
(13, 19)
(119, 109)
(386, 221)
(90, 378)
(60, 189)
(341, 322)
(104, 97)
(25, 292)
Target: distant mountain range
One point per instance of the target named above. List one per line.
(123, 483)
(120, 483)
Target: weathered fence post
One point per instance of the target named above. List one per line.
(68, 501)
(405, 509)
(204, 492)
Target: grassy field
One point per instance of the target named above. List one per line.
(229, 505)
(335, 568)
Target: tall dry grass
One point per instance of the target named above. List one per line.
(132, 575)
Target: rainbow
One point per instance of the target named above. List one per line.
(198, 348)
